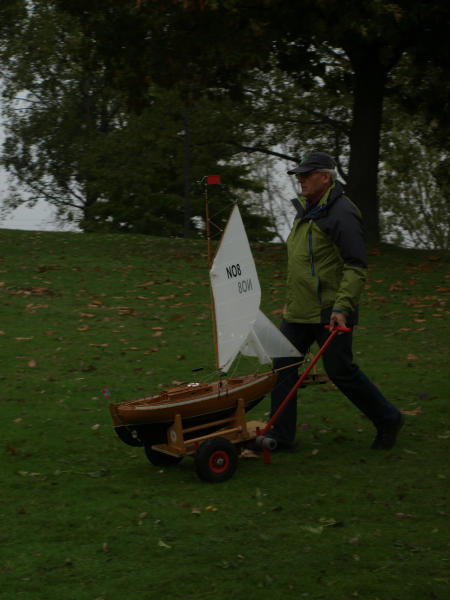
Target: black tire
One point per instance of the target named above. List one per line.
(216, 460)
(159, 459)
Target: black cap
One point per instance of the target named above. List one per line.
(312, 161)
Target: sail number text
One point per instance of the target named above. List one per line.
(244, 285)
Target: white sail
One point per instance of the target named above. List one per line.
(236, 290)
(266, 341)
(237, 294)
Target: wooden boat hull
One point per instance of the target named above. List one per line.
(145, 421)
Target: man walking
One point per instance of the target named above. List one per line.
(326, 274)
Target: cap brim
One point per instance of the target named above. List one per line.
(300, 170)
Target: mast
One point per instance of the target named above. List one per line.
(211, 180)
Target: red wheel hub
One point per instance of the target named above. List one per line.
(219, 461)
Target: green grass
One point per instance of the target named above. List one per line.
(85, 517)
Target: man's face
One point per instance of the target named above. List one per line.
(314, 184)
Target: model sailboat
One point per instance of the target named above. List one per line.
(239, 327)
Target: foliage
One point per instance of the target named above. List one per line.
(415, 192)
(210, 83)
(73, 141)
(85, 516)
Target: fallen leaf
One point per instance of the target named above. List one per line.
(414, 412)
(162, 544)
(247, 453)
(10, 449)
(316, 530)
(412, 357)
(32, 363)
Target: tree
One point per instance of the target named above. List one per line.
(73, 140)
(414, 182)
(221, 41)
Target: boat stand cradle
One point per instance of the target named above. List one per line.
(215, 453)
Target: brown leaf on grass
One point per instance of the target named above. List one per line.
(32, 308)
(126, 311)
(41, 291)
(83, 328)
(247, 453)
(412, 357)
(10, 449)
(157, 334)
(412, 413)
(32, 363)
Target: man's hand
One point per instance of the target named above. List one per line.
(337, 319)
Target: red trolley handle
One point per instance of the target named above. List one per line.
(333, 333)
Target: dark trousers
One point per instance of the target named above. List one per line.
(340, 368)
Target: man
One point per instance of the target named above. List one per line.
(326, 274)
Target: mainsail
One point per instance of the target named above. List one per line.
(240, 325)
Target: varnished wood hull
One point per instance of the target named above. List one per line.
(141, 421)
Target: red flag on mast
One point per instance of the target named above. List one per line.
(212, 179)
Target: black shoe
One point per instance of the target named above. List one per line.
(387, 434)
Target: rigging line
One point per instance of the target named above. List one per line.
(295, 364)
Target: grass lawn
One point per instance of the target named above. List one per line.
(86, 517)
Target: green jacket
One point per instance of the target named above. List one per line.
(326, 260)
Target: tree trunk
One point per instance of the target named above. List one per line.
(370, 79)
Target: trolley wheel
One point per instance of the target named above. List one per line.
(159, 459)
(216, 460)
